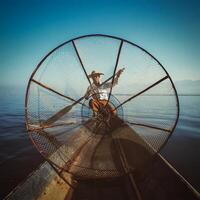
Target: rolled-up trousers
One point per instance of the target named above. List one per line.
(96, 105)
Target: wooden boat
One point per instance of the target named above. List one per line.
(136, 170)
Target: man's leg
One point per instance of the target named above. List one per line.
(105, 103)
(94, 105)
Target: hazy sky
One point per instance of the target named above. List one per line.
(170, 30)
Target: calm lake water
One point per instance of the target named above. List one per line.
(18, 157)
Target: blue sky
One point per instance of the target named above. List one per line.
(30, 29)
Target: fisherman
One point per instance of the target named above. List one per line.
(99, 93)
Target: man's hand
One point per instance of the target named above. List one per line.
(119, 72)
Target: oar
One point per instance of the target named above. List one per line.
(66, 109)
(60, 113)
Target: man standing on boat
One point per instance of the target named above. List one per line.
(98, 91)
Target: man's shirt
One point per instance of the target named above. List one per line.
(100, 92)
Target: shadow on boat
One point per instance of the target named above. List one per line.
(132, 170)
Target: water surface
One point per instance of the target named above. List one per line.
(18, 157)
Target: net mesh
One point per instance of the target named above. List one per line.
(125, 133)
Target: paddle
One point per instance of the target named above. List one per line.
(66, 109)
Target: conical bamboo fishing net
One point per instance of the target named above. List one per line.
(62, 124)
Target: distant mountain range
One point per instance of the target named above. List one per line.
(188, 87)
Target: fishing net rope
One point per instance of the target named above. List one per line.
(66, 130)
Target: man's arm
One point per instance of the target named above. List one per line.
(115, 82)
(109, 84)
